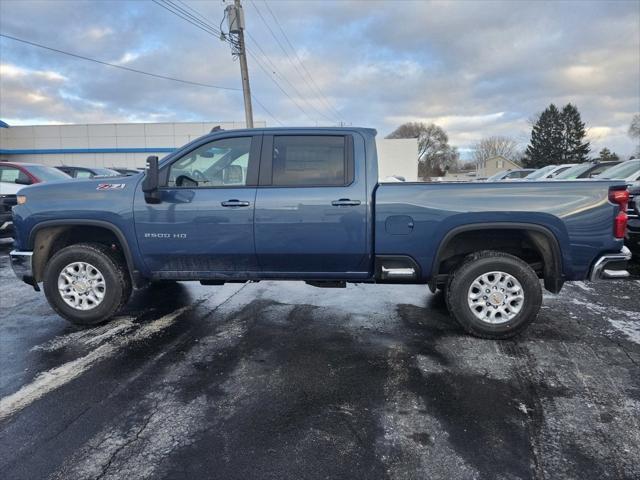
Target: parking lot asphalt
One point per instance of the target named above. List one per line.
(283, 380)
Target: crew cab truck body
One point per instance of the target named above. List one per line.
(305, 204)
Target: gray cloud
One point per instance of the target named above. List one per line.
(476, 68)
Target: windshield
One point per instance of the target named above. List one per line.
(497, 176)
(622, 171)
(105, 172)
(574, 171)
(47, 174)
(542, 172)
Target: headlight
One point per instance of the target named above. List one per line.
(22, 199)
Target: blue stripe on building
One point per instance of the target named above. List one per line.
(47, 151)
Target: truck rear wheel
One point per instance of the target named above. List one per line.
(86, 283)
(493, 295)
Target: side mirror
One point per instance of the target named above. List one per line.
(151, 181)
(23, 181)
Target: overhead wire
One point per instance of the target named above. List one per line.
(199, 20)
(135, 70)
(115, 65)
(295, 53)
(196, 18)
(287, 55)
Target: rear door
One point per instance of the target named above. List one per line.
(311, 206)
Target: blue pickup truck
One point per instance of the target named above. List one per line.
(305, 204)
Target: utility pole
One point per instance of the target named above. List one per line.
(235, 20)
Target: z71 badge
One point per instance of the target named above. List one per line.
(110, 186)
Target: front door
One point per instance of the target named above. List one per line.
(311, 209)
(203, 225)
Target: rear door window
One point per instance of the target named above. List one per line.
(307, 160)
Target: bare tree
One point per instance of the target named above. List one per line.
(634, 128)
(493, 147)
(634, 131)
(435, 155)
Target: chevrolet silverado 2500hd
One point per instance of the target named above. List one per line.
(306, 204)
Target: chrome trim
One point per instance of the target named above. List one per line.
(397, 272)
(5, 225)
(600, 272)
(21, 263)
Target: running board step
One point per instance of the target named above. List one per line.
(396, 269)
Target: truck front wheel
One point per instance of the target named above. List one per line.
(493, 295)
(86, 283)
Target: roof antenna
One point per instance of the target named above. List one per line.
(217, 128)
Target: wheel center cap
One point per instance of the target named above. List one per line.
(496, 298)
(81, 286)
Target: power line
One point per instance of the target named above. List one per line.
(133, 70)
(203, 24)
(277, 40)
(283, 77)
(284, 50)
(182, 13)
(114, 65)
(198, 20)
(286, 37)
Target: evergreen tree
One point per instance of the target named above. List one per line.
(557, 137)
(546, 145)
(575, 149)
(607, 155)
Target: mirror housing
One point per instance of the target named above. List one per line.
(151, 180)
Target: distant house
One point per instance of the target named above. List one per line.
(493, 165)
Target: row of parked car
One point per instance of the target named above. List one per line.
(628, 171)
(14, 176)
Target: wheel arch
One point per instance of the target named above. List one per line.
(45, 235)
(542, 238)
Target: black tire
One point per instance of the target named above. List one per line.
(116, 280)
(477, 264)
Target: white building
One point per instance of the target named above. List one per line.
(129, 144)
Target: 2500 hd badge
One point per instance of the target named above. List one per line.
(166, 235)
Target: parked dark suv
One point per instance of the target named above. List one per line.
(87, 172)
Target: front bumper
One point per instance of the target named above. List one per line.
(611, 266)
(22, 266)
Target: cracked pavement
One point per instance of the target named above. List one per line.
(283, 380)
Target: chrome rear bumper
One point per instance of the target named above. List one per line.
(611, 266)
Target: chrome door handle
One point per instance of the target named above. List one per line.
(345, 202)
(234, 203)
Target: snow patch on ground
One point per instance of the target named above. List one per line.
(56, 377)
(582, 286)
(608, 311)
(89, 337)
(628, 328)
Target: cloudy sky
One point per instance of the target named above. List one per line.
(476, 68)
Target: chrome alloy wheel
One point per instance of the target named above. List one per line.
(495, 297)
(81, 286)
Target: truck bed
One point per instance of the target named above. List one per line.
(415, 218)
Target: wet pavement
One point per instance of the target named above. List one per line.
(283, 380)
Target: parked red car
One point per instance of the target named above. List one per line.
(14, 176)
